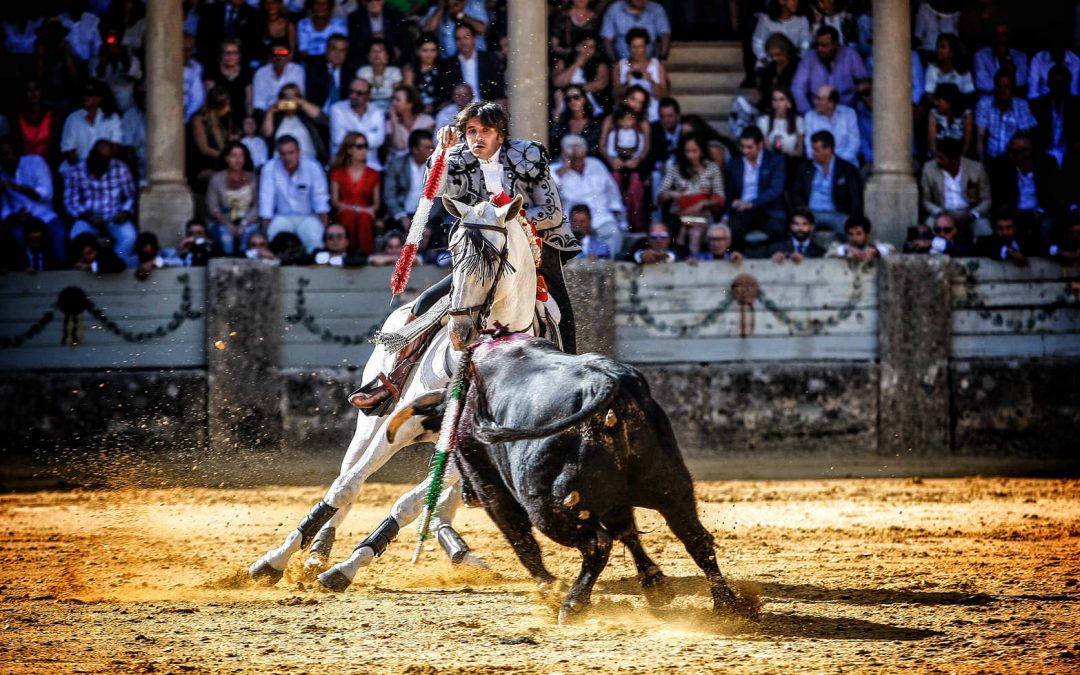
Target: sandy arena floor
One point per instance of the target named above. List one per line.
(951, 576)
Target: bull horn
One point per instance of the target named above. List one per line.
(425, 400)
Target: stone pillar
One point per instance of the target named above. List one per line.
(166, 203)
(591, 285)
(892, 196)
(244, 323)
(915, 315)
(527, 70)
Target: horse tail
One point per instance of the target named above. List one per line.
(487, 431)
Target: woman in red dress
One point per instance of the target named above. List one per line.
(354, 191)
(36, 124)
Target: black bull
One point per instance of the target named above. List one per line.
(571, 444)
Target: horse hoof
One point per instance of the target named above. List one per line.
(571, 610)
(334, 580)
(473, 561)
(264, 573)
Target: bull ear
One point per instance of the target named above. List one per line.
(510, 211)
(454, 207)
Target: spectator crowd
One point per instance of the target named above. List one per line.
(309, 124)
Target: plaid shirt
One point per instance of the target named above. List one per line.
(105, 196)
(1000, 126)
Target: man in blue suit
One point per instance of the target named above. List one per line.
(755, 192)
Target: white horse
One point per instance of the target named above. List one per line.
(494, 280)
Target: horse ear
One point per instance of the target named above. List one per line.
(454, 207)
(511, 210)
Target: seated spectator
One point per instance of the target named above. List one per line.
(1000, 55)
(864, 113)
(624, 15)
(20, 31)
(277, 28)
(783, 127)
(585, 181)
(315, 29)
(424, 73)
(857, 245)
(569, 24)
(99, 193)
(1005, 244)
(372, 18)
(327, 75)
(403, 181)
(196, 248)
(933, 18)
(577, 118)
(1024, 180)
(831, 13)
(693, 191)
(96, 120)
(586, 70)
(755, 191)
(354, 192)
(1041, 63)
(35, 125)
(292, 115)
(779, 72)
(231, 19)
(289, 250)
(117, 67)
(1000, 116)
(718, 237)
(657, 249)
(781, 18)
(84, 31)
(88, 255)
(949, 67)
(642, 70)
(664, 135)
(26, 188)
(268, 81)
(1067, 250)
(1057, 116)
(800, 244)
(258, 248)
(940, 239)
(357, 115)
(445, 16)
(35, 253)
(828, 64)
(461, 96)
(829, 186)
(383, 76)
(336, 251)
(147, 255)
(254, 143)
(293, 196)
(478, 69)
(958, 186)
(592, 247)
(406, 115)
(390, 250)
(236, 78)
(211, 129)
(839, 120)
(625, 149)
(950, 118)
(232, 200)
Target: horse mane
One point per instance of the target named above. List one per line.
(473, 254)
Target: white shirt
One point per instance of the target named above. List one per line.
(844, 126)
(266, 85)
(194, 89)
(1039, 72)
(32, 171)
(954, 192)
(80, 134)
(292, 126)
(492, 171)
(470, 74)
(257, 147)
(83, 35)
(302, 193)
(416, 185)
(594, 187)
(133, 126)
(750, 176)
(371, 123)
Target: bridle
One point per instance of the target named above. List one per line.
(478, 314)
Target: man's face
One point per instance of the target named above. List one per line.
(91, 100)
(374, 7)
(801, 228)
(719, 243)
(750, 149)
(821, 152)
(659, 238)
(88, 254)
(462, 95)
(1020, 152)
(105, 150)
(483, 141)
(465, 41)
(945, 227)
(280, 57)
(1005, 229)
(1003, 89)
(290, 155)
(576, 159)
(336, 239)
(423, 150)
(637, 5)
(826, 48)
(857, 237)
(258, 242)
(1001, 39)
(581, 223)
(196, 231)
(669, 119)
(336, 51)
(823, 103)
(359, 91)
(950, 165)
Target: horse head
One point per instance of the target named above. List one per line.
(493, 273)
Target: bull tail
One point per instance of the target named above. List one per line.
(487, 431)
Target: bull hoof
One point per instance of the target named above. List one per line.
(657, 589)
(334, 580)
(570, 611)
(262, 572)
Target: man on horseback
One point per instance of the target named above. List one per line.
(483, 164)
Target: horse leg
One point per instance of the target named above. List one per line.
(620, 522)
(451, 542)
(595, 550)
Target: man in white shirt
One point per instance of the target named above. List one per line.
(86, 126)
(269, 79)
(293, 195)
(461, 97)
(585, 180)
(958, 186)
(356, 115)
(840, 120)
(26, 186)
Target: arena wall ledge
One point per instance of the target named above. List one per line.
(912, 356)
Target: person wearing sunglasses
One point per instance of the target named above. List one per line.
(358, 115)
(336, 250)
(941, 239)
(269, 79)
(354, 191)
(657, 248)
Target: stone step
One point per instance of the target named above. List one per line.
(706, 104)
(691, 81)
(704, 53)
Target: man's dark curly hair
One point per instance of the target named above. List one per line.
(491, 115)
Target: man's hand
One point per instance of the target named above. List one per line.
(447, 137)
(796, 258)
(741, 205)
(1017, 257)
(142, 272)
(736, 258)
(779, 257)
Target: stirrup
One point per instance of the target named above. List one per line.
(375, 397)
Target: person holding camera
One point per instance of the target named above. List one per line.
(446, 15)
(292, 115)
(196, 248)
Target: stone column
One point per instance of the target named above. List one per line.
(892, 196)
(592, 294)
(915, 315)
(527, 70)
(166, 203)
